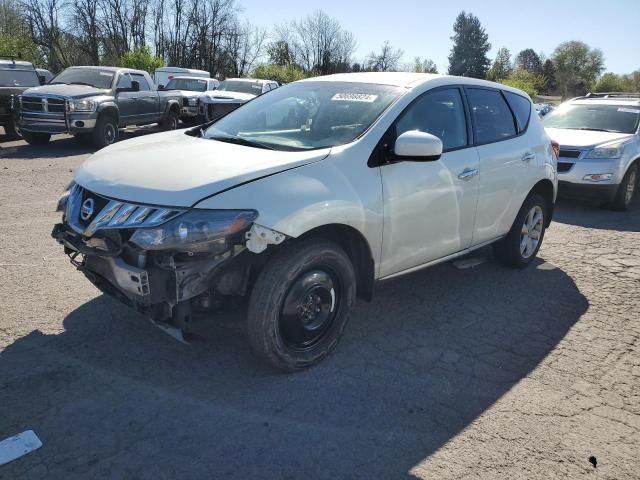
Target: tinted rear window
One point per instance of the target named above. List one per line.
(18, 78)
(521, 107)
(492, 119)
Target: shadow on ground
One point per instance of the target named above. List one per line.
(595, 215)
(112, 396)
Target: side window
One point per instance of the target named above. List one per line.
(440, 113)
(144, 85)
(492, 119)
(124, 81)
(522, 109)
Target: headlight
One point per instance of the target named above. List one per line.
(195, 231)
(609, 150)
(82, 106)
(193, 102)
(64, 198)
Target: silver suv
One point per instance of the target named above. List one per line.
(599, 137)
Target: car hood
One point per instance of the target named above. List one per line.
(75, 91)
(178, 170)
(583, 138)
(226, 96)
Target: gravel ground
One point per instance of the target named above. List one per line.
(448, 373)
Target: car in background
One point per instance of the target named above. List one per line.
(162, 75)
(376, 175)
(599, 137)
(94, 103)
(44, 75)
(191, 88)
(543, 109)
(15, 77)
(231, 93)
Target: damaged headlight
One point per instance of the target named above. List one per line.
(64, 198)
(195, 231)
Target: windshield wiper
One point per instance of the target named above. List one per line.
(58, 83)
(596, 129)
(82, 83)
(241, 141)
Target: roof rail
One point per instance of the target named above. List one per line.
(611, 95)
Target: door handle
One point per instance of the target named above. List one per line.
(467, 174)
(527, 157)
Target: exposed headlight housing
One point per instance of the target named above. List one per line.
(195, 231)
(64, 198)
(82, 106)
(608, 150)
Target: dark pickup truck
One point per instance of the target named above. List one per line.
(15, 78)
(94, 103)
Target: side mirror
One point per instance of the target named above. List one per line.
(418, 146)
(42, 79)
(160, 87)
(135, 86)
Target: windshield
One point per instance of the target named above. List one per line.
(606, 118)
(91, 77)
(187, 84)
(306, 115)
(254, 88)
(18, 78)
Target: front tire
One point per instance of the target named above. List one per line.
(300, 304)
(11, 131)
(626, 190)
(36, 138)
(106, 131)
(170, 122)
(521, 245)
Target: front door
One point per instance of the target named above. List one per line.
(430, 207)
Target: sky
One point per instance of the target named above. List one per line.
(423, 28)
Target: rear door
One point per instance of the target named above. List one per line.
(505, 155)
(429, 207)
(147, 100)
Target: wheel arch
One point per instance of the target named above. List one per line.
(544, 188)
(355, 245)
(109, 109)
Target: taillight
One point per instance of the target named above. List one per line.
(556, 148)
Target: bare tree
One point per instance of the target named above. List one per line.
(245, 44)
(386, 60)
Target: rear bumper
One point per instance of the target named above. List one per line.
(604, 192)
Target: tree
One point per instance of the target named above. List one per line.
(524, 80)
(279, 53)
(280, 73)
(501, 67)
(386, 60)
(426, 66)
(141, 59)
(577, 66)
(549, 74)
(468, 56)
(529, 60)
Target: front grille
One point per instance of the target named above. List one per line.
(564, 167)
(43, 104)
(570, 153)
(104, 213)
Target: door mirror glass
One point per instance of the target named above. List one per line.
(417, 146)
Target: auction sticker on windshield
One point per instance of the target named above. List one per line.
(354, 97)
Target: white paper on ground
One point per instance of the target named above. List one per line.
(18, 445)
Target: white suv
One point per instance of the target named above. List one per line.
(599, 137)
(303, 198)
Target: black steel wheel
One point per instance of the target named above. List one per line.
(300, 303)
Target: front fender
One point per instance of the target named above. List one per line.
(301, 199)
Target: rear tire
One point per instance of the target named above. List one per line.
(36, 138)
(300, 304)
(626, 190)
(106, 131)
(170, 121)
(521, 245)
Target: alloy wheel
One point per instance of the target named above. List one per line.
(531, 231)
